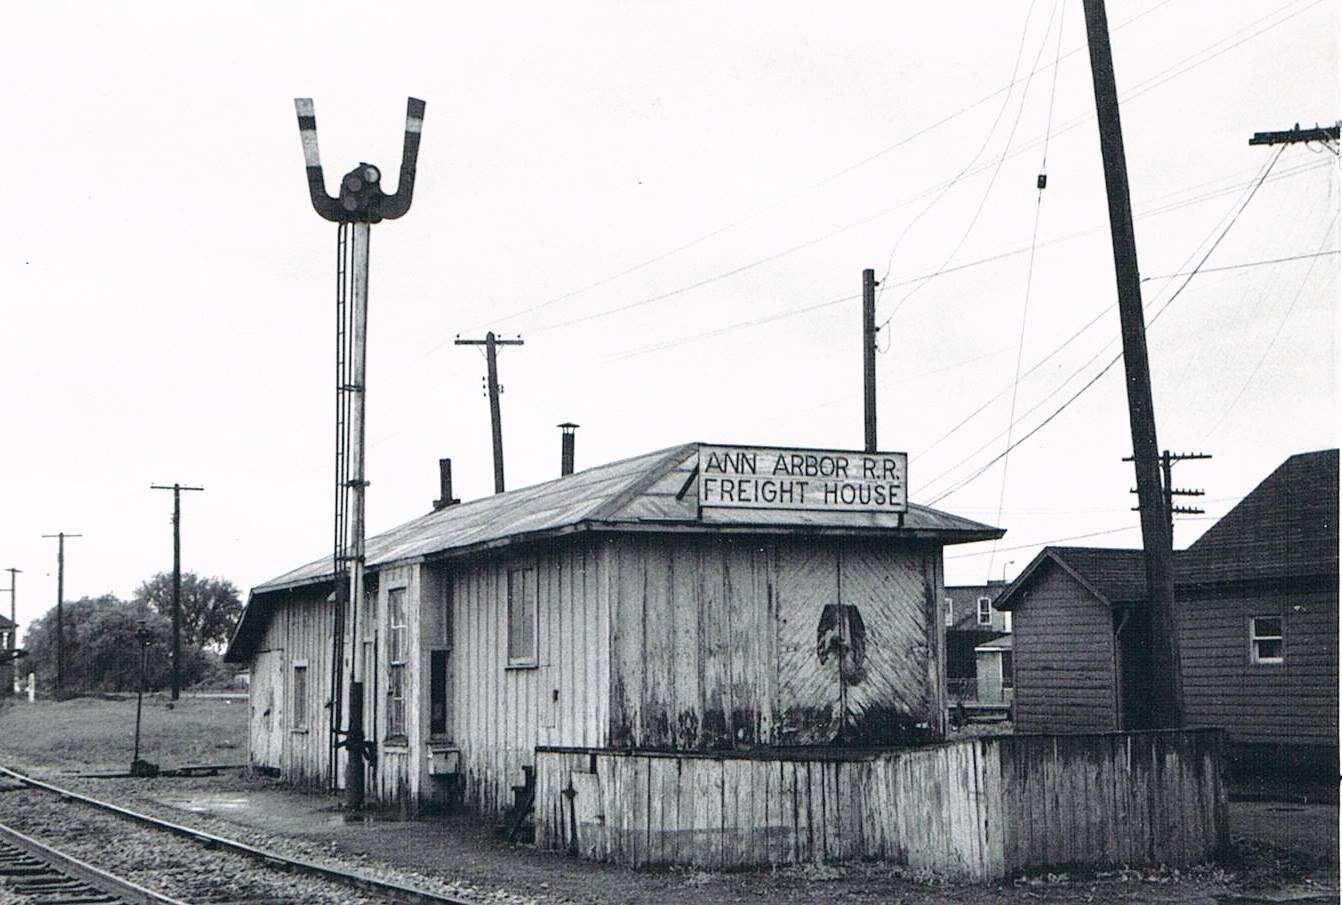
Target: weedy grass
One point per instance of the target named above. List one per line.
(97, 734)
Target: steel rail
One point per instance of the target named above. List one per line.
(398, 892)
(70, 866)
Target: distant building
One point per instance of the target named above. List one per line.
(1257, 617)
(971, 620)
(8, 642)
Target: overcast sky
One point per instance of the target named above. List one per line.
(661, 199)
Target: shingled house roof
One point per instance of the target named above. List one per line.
(654, 491)
(1285, 527)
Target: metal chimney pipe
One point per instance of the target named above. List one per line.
(445, 486)
(566, 448)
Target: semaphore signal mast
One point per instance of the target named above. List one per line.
(360, 204)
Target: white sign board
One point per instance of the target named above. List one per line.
(756, 477)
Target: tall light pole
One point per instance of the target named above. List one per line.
(176, 581)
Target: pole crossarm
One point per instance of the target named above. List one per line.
(492, 389)
(1296, 135)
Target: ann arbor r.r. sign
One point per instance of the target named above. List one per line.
(755, 477)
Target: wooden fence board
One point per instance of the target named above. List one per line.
(983, 808)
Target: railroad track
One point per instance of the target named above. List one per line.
(197, 866)
(32, 871)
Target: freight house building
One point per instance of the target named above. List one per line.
(696, 598)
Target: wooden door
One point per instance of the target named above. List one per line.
(887, 687)
(808, 709)
(266, 700)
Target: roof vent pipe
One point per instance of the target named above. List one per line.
(445, 486)
(566, 448)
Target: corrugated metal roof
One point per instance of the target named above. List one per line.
(654, 491)
(649, 491)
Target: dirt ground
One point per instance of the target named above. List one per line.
(1281, 851)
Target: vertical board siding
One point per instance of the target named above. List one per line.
(714, 642)
(1064, 659)
(299, 632)
(978, 809)
(502, 714)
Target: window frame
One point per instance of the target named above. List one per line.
(985, 610)
(523, 659)
(397, 661)
(299, 720)
(1255, 637)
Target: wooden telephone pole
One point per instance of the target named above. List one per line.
(491, 344)
(13, 628)
(60, 610)
(176, 581)
(1166, 708)
(869, 329)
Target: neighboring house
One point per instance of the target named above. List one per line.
(970, 619)
(614, 609)
(1257, 616)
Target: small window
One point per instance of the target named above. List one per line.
(300, 696)
(439, 662)
(985, 611)
(396, 659)
(950, 612)
(1008, 670)
(521, 617)
(1266, 644)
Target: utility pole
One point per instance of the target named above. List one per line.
(14, 627)
(1167, 463)
(491, 343)
(1166, 704)
(869, 329)
(60, 610)
(360, 204)
(176, 581)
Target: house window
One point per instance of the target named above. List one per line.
(396, 658)
(950, 612)
(985, 611)
(1266, 644)
(300, 696)
(521, 617)
(1008, 670)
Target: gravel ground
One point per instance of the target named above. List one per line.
(460, 855)
(167, 863)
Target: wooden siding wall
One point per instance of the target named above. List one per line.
(400, 774)
(299, 632)
(1064, 659)
(1293, 702)
(502, 713)
(714, 642)
(979, 809)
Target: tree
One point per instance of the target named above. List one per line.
(210, 606)
(102, 652)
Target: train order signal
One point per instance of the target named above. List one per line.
(361, 197)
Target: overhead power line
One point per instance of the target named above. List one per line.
(1163, 308)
